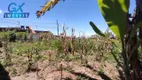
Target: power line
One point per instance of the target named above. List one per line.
(8, 20)
(39, 22)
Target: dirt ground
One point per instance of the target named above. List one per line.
(73, 70)
(70, 71)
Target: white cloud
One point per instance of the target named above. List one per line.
(0, 11)
(88, 34)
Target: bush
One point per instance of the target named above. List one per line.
(12, 36)
(22, 36)
(4, 36)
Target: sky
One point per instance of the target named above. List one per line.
(72, 13)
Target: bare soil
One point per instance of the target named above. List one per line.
(70, 71)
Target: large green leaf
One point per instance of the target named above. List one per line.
(115, 14)
(96, 29)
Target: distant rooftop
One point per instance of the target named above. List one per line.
(20, 29)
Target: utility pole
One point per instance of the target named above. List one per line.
(57, 28)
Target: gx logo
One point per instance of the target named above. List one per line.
(16, 11)
(13, 7)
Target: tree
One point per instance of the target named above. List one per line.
(115, 13)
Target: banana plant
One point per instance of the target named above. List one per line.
(115, 13)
